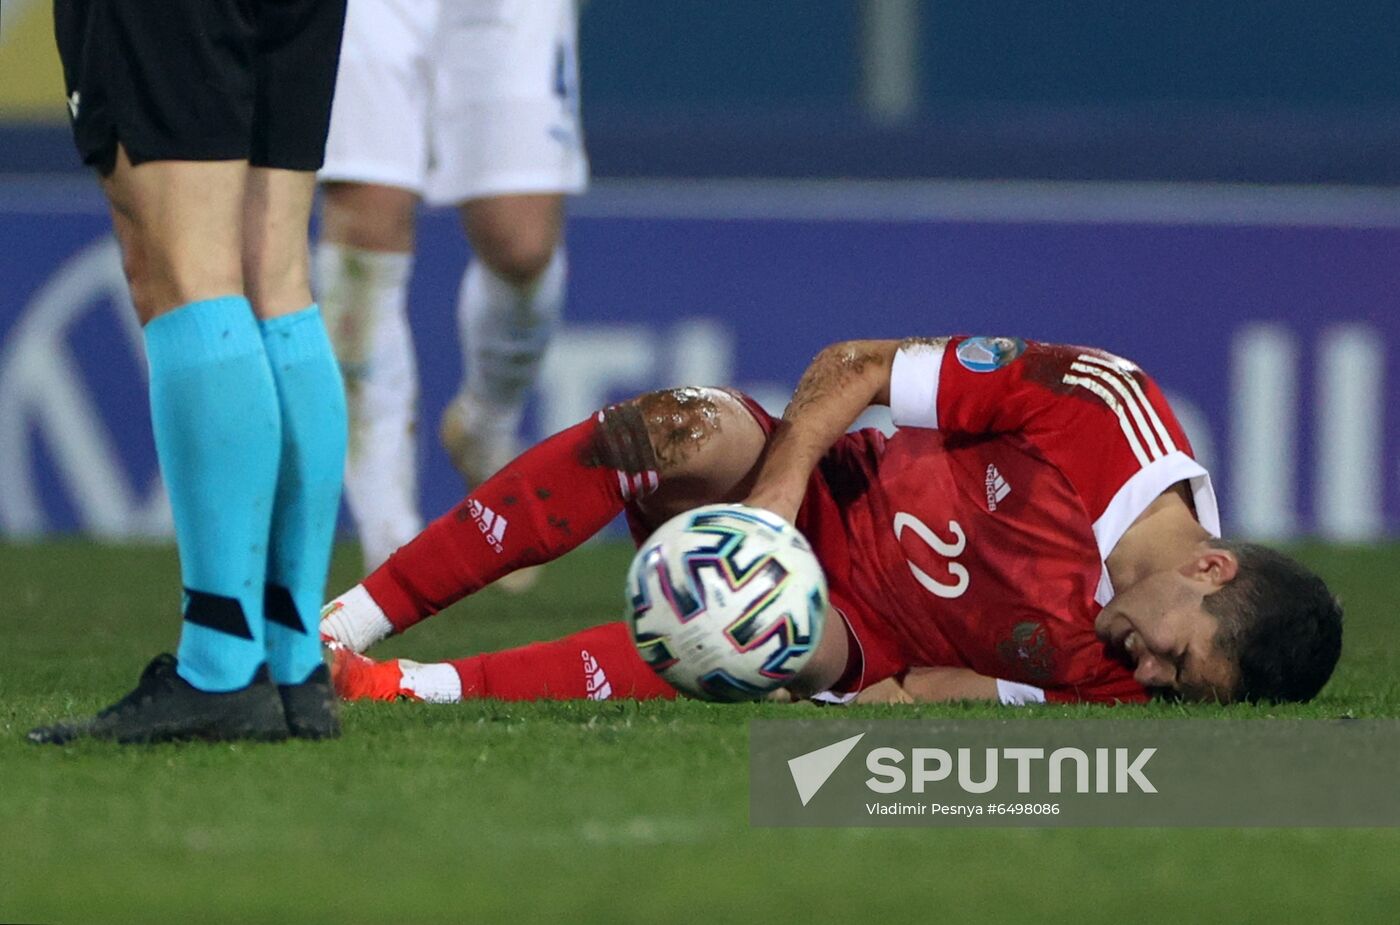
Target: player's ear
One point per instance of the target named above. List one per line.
(1216, 566)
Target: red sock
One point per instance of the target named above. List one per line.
(545, 503)
(597, 664)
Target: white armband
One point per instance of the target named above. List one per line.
(914, 385)
(832, 698)
(1012, 694)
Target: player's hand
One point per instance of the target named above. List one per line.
(944, 684)
(886, 691)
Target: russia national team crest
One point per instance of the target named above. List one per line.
(985, 354)
(1028, 648)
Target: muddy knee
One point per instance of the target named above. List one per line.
(701, 443)
(683, 423)
(660, 431)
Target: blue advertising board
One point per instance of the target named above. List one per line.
(1268, 315)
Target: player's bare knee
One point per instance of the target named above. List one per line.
(683, 423)
(704, 445)
(370, 217)
(515, 235)
(660, 432)
(517, 255)
(684, 432)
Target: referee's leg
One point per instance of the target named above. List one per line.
(299, 42)
(173, 104)
(217, 429)
(213, 402)
(180, 228)
(311, 397)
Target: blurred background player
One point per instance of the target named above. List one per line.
(474, 104)
(206, 120)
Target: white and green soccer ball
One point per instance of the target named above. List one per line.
(726, 602)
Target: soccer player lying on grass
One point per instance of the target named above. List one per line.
(1037, 529)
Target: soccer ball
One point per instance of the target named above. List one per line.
(726, 602)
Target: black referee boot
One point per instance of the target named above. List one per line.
(311, 708)
(165, 707)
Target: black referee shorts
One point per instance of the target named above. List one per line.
(200, 80)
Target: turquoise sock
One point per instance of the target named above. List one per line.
(218, 433)
(312, 399)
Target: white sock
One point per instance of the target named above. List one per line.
(438, 682)
(505, 330)
(363, 297)
(355, 621)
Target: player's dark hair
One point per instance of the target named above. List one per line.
(1279, 623)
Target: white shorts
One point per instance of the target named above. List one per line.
(459, 99)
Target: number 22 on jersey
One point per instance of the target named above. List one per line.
(948, 550)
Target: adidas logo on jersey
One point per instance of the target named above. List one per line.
(491, 524)
(997, 489)
(594, 678)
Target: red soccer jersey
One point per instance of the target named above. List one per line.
(976, 536)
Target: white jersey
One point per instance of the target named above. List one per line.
(459, 99)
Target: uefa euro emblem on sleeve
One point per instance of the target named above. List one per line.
(986, 354)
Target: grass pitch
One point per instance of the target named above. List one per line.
(579, 812)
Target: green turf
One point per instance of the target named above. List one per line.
(584, 812)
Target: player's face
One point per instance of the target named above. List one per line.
(1161, 629)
